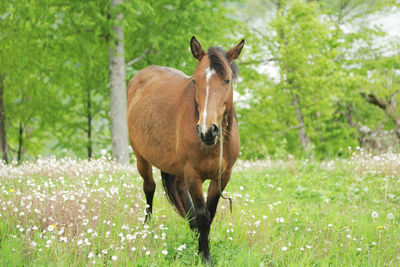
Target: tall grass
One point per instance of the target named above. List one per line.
(285, 213)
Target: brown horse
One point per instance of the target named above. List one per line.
(175, 122)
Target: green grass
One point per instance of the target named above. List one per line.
(294, 213)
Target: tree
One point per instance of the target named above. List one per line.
(118, 96)
(26, 95)
(313, 105)
(301, 47)
(55, 66)
(383, 87)
(370, 67)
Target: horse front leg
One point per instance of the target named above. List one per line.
(213, 193)
(203, 220)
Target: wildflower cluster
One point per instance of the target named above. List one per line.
(283, 212)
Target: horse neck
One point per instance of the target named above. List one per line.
(229, 119)
(188, 109)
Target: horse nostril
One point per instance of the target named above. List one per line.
(198, 130)
(214, 130)
(209, 136)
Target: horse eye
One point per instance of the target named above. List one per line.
(194, 82)
(226, 81)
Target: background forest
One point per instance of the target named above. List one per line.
(316, 77)
(318, 80)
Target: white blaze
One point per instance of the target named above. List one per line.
(209, 72)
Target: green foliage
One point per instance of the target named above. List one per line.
(326, 67)
(54, 60)
(31, 100)
(168, 28)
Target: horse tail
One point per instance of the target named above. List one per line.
(173, 197)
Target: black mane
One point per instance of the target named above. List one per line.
(218, 58)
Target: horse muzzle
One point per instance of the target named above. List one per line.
(209, 136)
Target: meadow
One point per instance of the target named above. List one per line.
(66, 212)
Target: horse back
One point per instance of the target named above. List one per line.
(157, 76)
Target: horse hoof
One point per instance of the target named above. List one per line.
(147, 219)
(207, 261)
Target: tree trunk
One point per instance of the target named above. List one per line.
(20, 142)
(304, 140)
(3, 140)
(389, 106)
(364, 131)
(119, 129)
(397, 129)
(394, 115)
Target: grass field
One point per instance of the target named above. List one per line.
(285, 213)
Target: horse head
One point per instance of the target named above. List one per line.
(214, 92)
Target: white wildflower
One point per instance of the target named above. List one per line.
(181, 247)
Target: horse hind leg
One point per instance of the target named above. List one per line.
(186, 202)
(149, 185)
(169, 183)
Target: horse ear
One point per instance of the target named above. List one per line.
(196, 48)
(234, 52)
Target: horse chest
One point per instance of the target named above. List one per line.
(207, 167)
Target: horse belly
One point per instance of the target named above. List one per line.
(151, 122)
